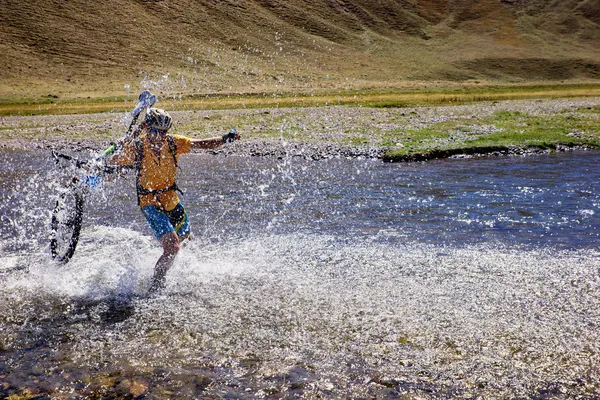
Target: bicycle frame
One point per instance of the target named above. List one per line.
(67, 215)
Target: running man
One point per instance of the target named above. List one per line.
(154, 156)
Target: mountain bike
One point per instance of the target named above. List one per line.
(67, 215)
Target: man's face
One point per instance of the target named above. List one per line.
(155, 135)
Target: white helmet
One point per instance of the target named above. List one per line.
(158, 119)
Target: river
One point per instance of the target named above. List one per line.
(341, 278)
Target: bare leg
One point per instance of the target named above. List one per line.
(170, 244)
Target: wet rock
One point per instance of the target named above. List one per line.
(385, 381)
(4, 387)
(309, 151)
(131, 388)
(294, 379)
(202, 382)
(389, 393)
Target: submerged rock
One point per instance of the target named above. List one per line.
(134, 388)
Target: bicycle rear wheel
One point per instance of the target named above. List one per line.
(66, 225)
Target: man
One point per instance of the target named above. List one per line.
(154, 156)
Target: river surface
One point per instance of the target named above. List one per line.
(339, 278)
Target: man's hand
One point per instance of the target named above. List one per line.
(231, 136)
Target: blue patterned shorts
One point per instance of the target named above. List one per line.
(162, 221)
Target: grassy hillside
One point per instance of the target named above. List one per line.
(77, 48)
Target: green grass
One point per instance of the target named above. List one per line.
(503, 130)
(590, 109)
(546, 132)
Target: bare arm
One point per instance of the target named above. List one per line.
(215, 142)
(211, 143)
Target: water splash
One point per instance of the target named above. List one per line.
(339, 319)
(340, 298)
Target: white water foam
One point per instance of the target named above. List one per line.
(479, 319)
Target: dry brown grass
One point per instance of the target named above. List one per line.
(380, 98)
(79, 49)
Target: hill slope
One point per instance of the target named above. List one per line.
(80, 48)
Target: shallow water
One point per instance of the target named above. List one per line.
(338, 278)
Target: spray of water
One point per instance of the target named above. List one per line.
(285, 312)
(313, 315)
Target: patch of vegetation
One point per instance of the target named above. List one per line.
(357, 141)
(590, 109)
(519, 129)
(389, 104)
(504, 130)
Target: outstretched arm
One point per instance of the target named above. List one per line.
(215, 142)
(211, 143)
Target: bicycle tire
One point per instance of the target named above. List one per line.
(66, 225)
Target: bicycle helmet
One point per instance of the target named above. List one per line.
(158, 119)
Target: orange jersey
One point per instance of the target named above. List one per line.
(157, 171)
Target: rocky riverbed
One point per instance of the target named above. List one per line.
(312, 132)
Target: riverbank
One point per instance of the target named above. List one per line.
(389, 133)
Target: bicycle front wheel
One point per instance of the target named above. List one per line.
(66, 225)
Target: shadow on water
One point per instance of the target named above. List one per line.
(54, 321)
(109, 311)
(46, 332)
